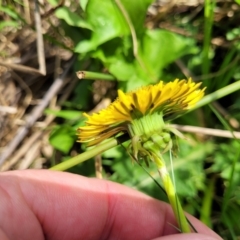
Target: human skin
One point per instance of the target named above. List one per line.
(43, 204)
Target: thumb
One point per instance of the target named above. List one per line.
(188, 236)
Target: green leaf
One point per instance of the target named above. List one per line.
(107, 23)
(54, 3)
(67, 114)
(10, 12)
(82, 94)
(157, 49)
(117, 57)
(122, 70)
(83, 4)
(224, 159)
(62, 138)
(233, 33)
(161, 47)
(71, 18)
(8, 24)
(188, 167)
(136, 10)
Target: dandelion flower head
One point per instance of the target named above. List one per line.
(141, 112)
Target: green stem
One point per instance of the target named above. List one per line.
(89, 154)
(208, 22)
(217, 94)
(94, 75)
(230, 186)
(210, 98)
(207, 203)
(172, 196)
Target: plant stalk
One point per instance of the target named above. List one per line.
(94, 76)
(172, 195)
(211, 98)
(90, 153)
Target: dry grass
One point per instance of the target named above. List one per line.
(23, 87)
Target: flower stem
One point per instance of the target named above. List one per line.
(90, 153)
(220, 93)
(94, 75)
(208, 24)
(217, 95)
(172, 196)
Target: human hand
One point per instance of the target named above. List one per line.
(43, 204)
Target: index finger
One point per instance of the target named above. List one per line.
(66, 206)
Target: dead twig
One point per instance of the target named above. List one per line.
(36, 113)
(9, 110)
(26, 146)
(28, 96)
(21, 68)
(9, 164)
(98, 166)
(232, 121)
(52, 10)
(207, 131)
(40, 44)
(31, 155)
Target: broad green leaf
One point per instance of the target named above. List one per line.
(136, 81)
(83, 4)
(223, 162)
(62, 138)
(82, 94)
(71, 18)
(136, 10)
(157, 49)
(188, 167)
(8, 24)
(161, 47)
(107, 23)
(116, 152)
(233, 33)
(117, 57)
(122, 70)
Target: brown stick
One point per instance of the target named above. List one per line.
(36, 113)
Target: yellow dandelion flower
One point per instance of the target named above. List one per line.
(141, 112)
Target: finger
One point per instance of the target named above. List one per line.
(66, 206)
